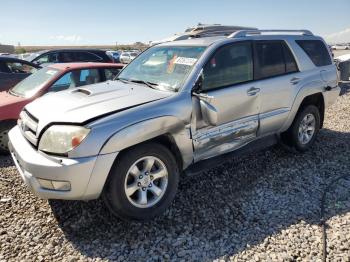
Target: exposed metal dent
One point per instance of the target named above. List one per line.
(225, 138)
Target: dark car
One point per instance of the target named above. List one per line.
(72, 55)
(13, 70)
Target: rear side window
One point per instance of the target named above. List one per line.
(273, 58)
(316, 50)
(270, 59)
(291, 65)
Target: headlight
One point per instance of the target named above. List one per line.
(61, 139)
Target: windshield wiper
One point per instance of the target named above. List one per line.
(149, 84)
(122, 80)
(13, 93)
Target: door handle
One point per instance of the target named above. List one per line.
(253, 91)
(295, 80)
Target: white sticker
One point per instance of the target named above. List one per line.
(51, 72)
(185, 61)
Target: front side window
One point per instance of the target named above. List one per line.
(270, 59)
(20, 68)
(230, 65)
(316, 50)
(42, 59)
(165, 67)
(76, 78)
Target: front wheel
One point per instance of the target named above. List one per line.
(302, 133)
(142, 182)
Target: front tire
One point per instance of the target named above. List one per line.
(302, 133)
(142, 182)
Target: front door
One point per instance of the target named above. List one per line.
(226, 113)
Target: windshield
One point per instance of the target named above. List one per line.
(166, 67)
(30, 85)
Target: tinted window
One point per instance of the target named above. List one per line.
(316, 50)
(270, 59)
(87, 57)
(291, 65)
(66, 57)
(230, 65)
(4, 68)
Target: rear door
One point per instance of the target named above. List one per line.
(232, 101)
(277, 73)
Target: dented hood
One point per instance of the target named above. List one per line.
(82, 104)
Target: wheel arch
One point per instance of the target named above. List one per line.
(310, 98)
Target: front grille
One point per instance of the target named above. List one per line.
(28, 125)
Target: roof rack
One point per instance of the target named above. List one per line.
(244, 33)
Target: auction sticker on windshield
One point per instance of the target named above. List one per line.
(186, 61)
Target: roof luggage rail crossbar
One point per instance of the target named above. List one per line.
(244, 33)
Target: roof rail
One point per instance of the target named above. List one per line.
(244, 33)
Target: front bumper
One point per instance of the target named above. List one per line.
(86, 175)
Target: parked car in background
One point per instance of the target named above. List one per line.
(178, 105)
(115, 55)
(127, 57)
(341, 47)
(72, 55)
(53, 78)
(13, 70)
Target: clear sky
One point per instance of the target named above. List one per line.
(89, 22)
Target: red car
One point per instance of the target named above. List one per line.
(56, 77)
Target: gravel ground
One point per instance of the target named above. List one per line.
(263, 207)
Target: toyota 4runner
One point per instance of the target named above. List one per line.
(175, 105)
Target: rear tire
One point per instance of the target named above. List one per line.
(142, 182)
(302, 133)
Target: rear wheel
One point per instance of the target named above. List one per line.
(4, 129)
(142, 182)
(302, 133)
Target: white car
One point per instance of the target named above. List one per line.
(127, 57)
(341, 47)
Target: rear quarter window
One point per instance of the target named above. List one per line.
(316, 51)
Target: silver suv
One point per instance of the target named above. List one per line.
(176, 107)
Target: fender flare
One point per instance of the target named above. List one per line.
(304, 91)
